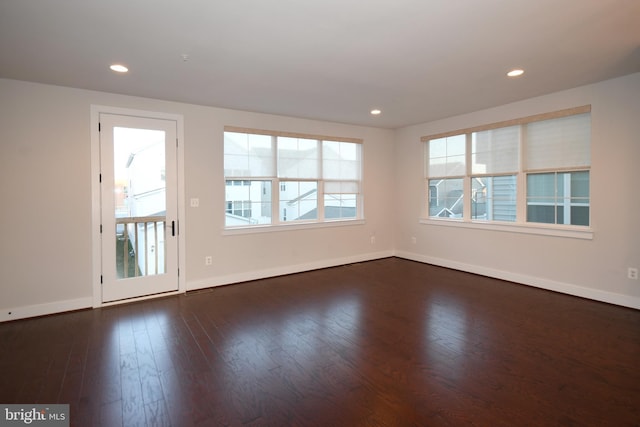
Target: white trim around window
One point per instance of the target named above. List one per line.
(539, 229)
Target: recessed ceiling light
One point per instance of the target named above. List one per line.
(118, 68)
(376, 112)
(516, 72)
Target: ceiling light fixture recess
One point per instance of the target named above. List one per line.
(376, 112)
(516, 72)
(118, 68)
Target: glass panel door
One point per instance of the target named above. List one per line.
(139, 244)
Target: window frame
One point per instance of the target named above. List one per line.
(521, 223)
(278, 184)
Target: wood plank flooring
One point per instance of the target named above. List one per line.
(383, 343)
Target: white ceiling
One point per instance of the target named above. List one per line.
(334, 60)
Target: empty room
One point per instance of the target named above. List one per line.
(305, 213)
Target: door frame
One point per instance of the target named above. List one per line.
(96, 246)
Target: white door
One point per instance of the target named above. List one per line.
(139, 221)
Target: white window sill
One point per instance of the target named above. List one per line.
(267, 228)
(574, 232)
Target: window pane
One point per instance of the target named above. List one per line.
(438, 148)
(541, 213)
(298, 200)
(340, 160)
(580, 185)
(247, 202)
(541, 188)
(456, 145)
(297, 158)
(337, 206)
(445, 198)
(494, 198)
(248, 155)
(447, 156)
(559, 143)
(541, 198)
(580, 215)
(495, 151)
(558, 198)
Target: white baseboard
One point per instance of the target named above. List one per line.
(16, 313)
(551, 285)
(283, 270)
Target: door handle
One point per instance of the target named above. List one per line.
(173, 228)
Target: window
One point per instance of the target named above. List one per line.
(526, 171)
(282, 178)
(561, 146)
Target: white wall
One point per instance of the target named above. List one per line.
(594, 268)
(45, 177)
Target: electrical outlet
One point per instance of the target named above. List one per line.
(414, 240)
(632, 273)
(373, 240)
(208, 260)
(195, 202)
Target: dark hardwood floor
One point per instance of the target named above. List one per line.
(383, 343)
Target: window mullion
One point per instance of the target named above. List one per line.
(275, 183)
(466, 183)
(275, 200)
(521, 182)
(320, 194)
(566, 202)
(320, 183)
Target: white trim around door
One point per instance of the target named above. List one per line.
(96, 219)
